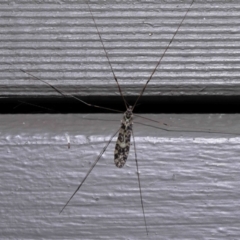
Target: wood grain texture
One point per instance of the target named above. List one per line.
(190, 180)
(57, 41)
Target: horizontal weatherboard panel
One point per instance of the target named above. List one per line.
(189, 180)
(58, 43)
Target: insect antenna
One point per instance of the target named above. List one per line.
(139, 184)
(105, 51)
(89, 171)
(159, 61)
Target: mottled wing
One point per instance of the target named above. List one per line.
(122, 145)
(124, 138)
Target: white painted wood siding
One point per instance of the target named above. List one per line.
(57, 42)
(190, 181)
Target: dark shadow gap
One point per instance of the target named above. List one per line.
(153, 104)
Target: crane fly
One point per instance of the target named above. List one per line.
(125, 132)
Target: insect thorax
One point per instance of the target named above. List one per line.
(124, 137)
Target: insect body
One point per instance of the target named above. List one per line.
(123, 142)
(124, 138)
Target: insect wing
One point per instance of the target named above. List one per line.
(123, 141)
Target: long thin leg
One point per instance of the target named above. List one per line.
(159, 61)
(99, 35)
(23, 102)
(78, 99)
(139, 184)
(98, 158)
(63, 93)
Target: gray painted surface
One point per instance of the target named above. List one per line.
(190, 180)
(57, 41)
